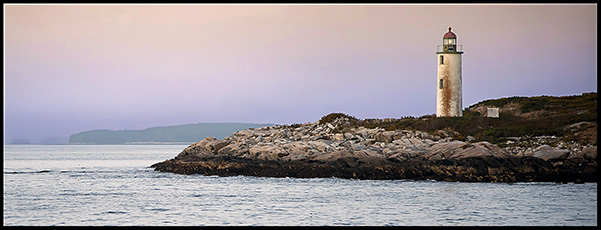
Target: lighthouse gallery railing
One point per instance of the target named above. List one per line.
(459, 48)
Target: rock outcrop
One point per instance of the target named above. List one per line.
(323, 150)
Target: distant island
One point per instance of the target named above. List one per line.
(544, 138)
(177, 134)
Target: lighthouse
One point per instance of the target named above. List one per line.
(448, 81)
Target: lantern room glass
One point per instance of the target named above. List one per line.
(449, 41)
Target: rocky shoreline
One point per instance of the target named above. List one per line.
(323, 150)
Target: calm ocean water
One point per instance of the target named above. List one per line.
(112, 185)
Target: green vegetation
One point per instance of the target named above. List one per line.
(566, 104)
(536, 116)
(333, 116)
(189, 133)
(293, 126)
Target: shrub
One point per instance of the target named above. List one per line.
(333, 116)
(293, 126)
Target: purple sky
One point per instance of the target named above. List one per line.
(72, 68)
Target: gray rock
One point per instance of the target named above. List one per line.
(548, 153)
(339, 137)
(470, 138)
(385, 137)
(443, 133)
(590, 153)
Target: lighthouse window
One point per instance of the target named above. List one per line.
(440, 83)
(441, 59)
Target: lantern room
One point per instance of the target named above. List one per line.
(449, 42)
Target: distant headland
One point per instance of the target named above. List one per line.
(176, 134)
(541, 138)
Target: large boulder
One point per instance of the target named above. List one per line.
(266, 152)
(443, 150)
(385, 137)
(333, 156)
(206, 147)
(460, 149)
(233, 149)
(590, 153)
(548, 153)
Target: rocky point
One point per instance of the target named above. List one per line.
(321, 150)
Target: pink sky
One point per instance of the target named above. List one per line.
(72, 68)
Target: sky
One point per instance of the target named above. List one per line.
(72, 68)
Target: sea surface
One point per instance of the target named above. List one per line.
(112, 185)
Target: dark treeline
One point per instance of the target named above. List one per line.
(181, 133)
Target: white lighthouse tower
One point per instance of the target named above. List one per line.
(448, 84)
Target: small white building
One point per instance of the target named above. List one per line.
(448, 94)
(492, 112)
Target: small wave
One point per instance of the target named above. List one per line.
(96, 194)
(114, 212)
(28, 172)
(158, 209)
(63, 171)
(17, 172)
(89, 171)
